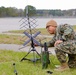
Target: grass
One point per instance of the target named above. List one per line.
(7, 58)
(42, 30)
(13, 39)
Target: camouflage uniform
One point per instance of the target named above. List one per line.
(68, 46)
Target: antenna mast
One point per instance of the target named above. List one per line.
(30, 24)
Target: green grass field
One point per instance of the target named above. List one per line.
(7, 58)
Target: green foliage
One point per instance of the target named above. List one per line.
(31, 10)
(14, 12)
(55, 12)
(10, 12)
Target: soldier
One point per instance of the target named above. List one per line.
(64, 41)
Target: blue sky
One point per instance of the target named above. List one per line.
(40, 4)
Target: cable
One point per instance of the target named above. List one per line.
(15, 71)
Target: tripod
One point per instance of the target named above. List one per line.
(34, 50)
(31, 37)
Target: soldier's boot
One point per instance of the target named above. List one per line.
(63, 67)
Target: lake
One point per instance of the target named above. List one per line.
(7, 24)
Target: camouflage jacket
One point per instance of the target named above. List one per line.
(63, 32)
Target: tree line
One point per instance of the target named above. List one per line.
(14, 12)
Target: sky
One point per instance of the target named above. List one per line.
(40, 4)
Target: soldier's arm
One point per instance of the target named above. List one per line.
(51, 43)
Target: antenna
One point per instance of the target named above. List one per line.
(29, 25)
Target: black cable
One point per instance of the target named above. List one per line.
(15, 71)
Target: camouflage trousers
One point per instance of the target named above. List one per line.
(68, 48)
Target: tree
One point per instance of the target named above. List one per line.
(2, 11)
(31, 10)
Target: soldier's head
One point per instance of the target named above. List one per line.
(51, 26)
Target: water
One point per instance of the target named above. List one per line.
(7, 24)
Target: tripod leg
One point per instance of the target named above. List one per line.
(34, 60)
(25, 56)
(34, 57)
(37, 53)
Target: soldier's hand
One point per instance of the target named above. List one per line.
(58, 42)
(35, 44)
